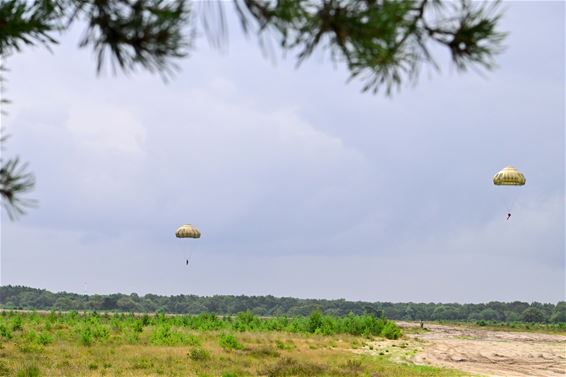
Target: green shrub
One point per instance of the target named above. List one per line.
(17, 323)
(199, 354)
(86, 336)
(165, 335)
(230, 342)
(5, 332)
(315, 321)
(245, 321)
(138, 326)
(42, 339)
(391, 331)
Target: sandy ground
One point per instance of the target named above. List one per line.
(481, 352)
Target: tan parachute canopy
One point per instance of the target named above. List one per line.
(509, 176)
(187, 231)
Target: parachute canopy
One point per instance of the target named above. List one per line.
(187, 231)
(509, 176)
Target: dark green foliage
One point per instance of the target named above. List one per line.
(559, 313)
(247, 310)
(145, 33)
(15, 181)
(533, 315)
(489, 314)
(27, 23)
(382, 42)
(316, 322)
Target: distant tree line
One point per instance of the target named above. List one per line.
(19, 297)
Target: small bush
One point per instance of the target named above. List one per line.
(165, 335)
(199, 354)
(230, 342)
(391, 331)
(138, 326)
(146, 320)
(246, 321)
(5, 332)
(86, 336)
(17, 323)
(42, 339)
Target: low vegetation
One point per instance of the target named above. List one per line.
(92, 344)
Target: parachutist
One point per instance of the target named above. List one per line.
(187, 262)
(508, 216)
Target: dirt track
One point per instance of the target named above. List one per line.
(483, 352)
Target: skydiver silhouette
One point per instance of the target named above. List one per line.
(508, 216)
(187, 262)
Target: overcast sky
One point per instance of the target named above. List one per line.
(300, 184)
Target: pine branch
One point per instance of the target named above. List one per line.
(15, 181)
(146, 33)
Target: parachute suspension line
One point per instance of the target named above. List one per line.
(190, 257)
(191, 254)
(511, 178)
(188, 231)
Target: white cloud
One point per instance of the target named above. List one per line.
(105, 128)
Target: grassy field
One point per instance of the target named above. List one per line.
(72, 344)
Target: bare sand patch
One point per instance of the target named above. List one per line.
(484, 352)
